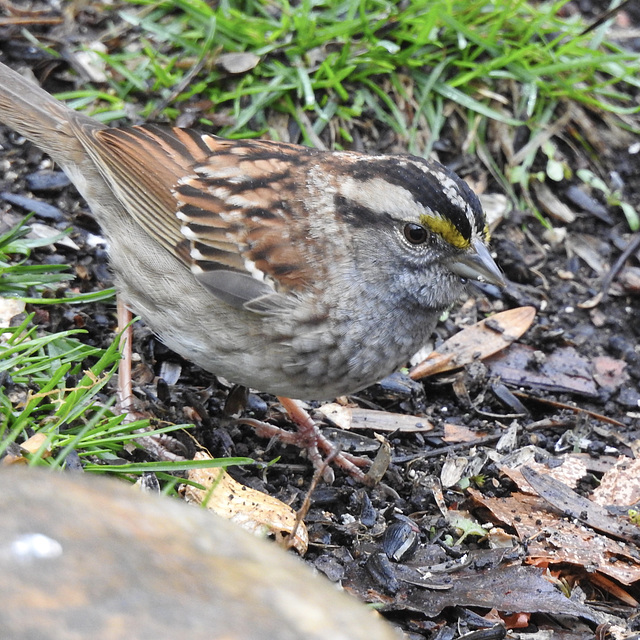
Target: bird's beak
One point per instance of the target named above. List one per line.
(477, 264)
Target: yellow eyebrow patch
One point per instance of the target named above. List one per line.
(446, 229)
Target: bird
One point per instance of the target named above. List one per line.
(303, 273)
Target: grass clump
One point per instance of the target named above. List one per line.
(56, 408)
(440, 74)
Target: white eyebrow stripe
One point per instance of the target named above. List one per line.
(381, 196)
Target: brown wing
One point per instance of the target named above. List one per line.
(223, 207)
(142, 165)
(255, 190)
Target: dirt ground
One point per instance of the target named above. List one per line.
(568, 390)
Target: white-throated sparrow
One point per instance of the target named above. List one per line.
(298, 272)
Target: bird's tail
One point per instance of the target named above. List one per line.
(42, 119)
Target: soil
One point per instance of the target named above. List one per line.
(587, 315)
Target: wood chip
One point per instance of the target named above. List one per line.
(237, 62)
(357, 418)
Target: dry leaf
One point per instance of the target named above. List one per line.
(550, 537)
(569, 472)
(253, 510)
(588, 248)
(562, 371)
(571, 504)
(551, 204)
(620, 486)
(10, 459)
(629, 279)
(505, 588)
(459, 433)
(610, 373)
(480, 341)
(452, 470)
(40, 231)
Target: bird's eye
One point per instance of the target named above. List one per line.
(415, 233)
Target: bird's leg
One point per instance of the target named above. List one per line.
(125, 386)
(159, 447)
(310, 437)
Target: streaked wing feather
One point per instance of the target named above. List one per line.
(128, 160)
(222, 207)
(253, 187)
